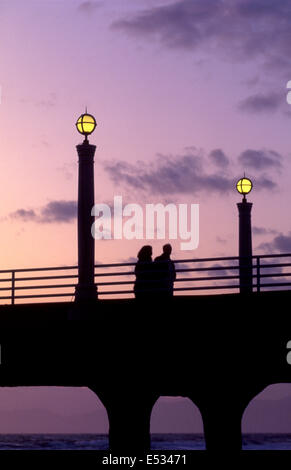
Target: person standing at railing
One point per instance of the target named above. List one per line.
(165, 273)
(143, 285)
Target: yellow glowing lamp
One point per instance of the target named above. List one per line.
(86, 124)
(244, 186)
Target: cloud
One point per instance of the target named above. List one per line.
(183, 174)
(242, 30)
(260, 159)
(23, 214)
(59, 211)
(219, 158)
(261, 103)
(223, 271)
(177, 25)
(263, 231)
(88, 6)
(180, 174)
(265, 183)
(53, 212)
(67, 170)
(221, 240)
(267, 8)
(280, 243)
(130, 259)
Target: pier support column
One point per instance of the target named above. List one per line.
(222, 428)
(129, 420)
(222, 415)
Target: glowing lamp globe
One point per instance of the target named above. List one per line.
(244, 186)
(86, 124)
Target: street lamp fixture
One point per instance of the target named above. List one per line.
(86, 124)
(244, 186)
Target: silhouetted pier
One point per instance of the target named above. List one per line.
(219, 350)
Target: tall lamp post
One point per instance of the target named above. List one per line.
(244, 186)
(86, 289)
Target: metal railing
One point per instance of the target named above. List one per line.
(210, 274)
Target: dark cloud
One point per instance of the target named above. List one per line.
(184, 274)
(130, 259)
(184, 174)
(221, 240)
(280, 243)
(219, 158)
(24, 214)
(177, 25)
(259, 231)
(267, 8)
(242, 30)
(267, 270)
(263, 231)
(268, 274)
(181, 174)
(260, 159)
(262, 103)
(53, 212)
(264, 182)
(222, 271)
(59, 211)
(252, 81)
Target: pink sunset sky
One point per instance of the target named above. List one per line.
(188, 95)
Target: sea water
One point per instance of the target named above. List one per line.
(158, 442)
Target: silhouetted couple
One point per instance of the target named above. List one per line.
(154, 278)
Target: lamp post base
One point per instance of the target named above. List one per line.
(85, 293)
(245, 247)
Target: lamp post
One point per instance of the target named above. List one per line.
(86, 289)
(244, 186)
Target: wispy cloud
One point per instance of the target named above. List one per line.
(259, 160)
(67, 170)
(219, 158)
(88, 6)
(262, 103)
(48, 101)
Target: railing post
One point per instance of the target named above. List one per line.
(258, 275)
(12, 287)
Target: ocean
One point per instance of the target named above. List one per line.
(159, 442)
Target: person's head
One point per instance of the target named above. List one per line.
(167, 249)
(145, 253)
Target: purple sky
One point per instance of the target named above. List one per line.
(189, 94)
